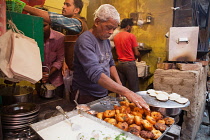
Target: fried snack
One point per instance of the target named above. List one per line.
(157, 133)
(147, 125)
(132, 106)
(156, 115)
(130, 118)
(136, 114)
(136, 126)
(122, 125)
(150, 119)
(121, 117)
(125, 109)
(160, 126)
(111, 121)
(134, 131)
(100, 115)
(124, 103)
(147, 112)
(161, 121)
(146, 134)
(109, 113)
(138, 120)
(169, 120)
(140, 110)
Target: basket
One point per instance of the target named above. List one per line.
(19, 5)
(15, 5)
(10, 5)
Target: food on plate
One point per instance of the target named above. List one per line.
(140, 110)
(83, 107)
(182, 100)
(124, 103)
(161, 121)
(174, 96)
(151, 92)
(151, 119)
(137, 121)
(130, 119)
(157, 133)
(136, 126)
(156, 115)
(109, 113)
(169, 120)
(111, 121)
(160, 126)
(100, 115)
(122, 125)
(121, 117)
(134, 130)
(146, 134)
(132, 106)
(162, 97)
(147, 125)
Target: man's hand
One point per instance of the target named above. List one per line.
(45, 77)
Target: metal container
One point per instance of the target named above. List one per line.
(167, 108)
(46, 91)
(11, 95)
(166, 111)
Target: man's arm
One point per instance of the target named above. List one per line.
(137, 53)
(37, 12)
(114, 75)
(109, 84)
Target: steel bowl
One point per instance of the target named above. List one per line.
(166, 111)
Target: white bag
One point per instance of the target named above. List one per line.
(21, 60)
(141, 67)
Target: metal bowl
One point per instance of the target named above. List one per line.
(166, 111)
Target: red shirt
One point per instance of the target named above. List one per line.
(124, 43)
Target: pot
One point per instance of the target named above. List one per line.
(12, 95)
(166, 111)
(47, 91)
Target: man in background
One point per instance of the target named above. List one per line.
(70, 23)
(53, 59)
(127, 52)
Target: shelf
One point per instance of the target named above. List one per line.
(146, 50)
(148, 76)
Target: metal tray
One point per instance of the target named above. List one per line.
(152, 101)
(99, 106)
(54, 120)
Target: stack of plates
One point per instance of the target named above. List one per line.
(19, 116)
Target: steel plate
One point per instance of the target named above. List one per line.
(152, 101)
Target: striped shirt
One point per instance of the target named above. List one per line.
(72, 24)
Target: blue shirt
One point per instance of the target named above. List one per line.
(72, 24)
(92, 57)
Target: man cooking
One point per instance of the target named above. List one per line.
(93, 63)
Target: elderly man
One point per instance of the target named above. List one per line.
(93, 63)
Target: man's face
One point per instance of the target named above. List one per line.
(46, 29)
(105, 28)
(69, 9)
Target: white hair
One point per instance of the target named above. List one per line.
(106, 11)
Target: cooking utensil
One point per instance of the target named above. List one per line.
(15, 94)
(168, 108)
(60, 109)
(47, 90)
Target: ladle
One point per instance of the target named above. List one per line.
(60, 109)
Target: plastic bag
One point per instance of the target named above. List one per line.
(67, 79)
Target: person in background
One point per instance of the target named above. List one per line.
(111, 38)
(127, 51)
(53, 59)
(70, 23)
(93, 63)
